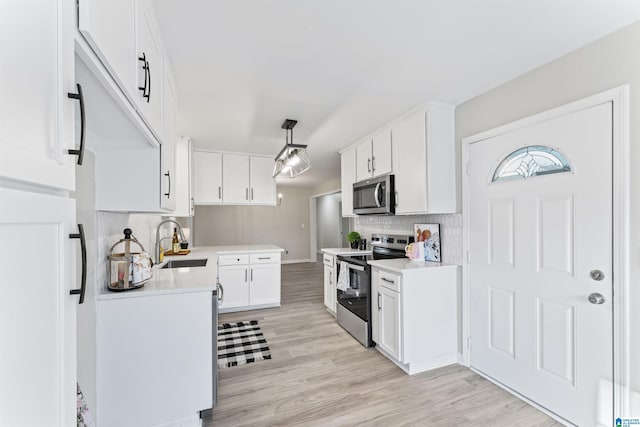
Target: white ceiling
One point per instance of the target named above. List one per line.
(343, 68)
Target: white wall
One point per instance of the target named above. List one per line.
(605, 64)
(286, 225)
(328, 217)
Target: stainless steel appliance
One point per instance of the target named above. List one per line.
(375, 196)
(354, 303)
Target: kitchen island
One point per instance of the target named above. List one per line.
(156, 356)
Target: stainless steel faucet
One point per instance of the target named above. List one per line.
(158, 239)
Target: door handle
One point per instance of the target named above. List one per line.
(220, 292)
(83, 124)
(596, 298)
(376, 194)
(83, 248)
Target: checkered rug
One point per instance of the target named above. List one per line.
(240, 343)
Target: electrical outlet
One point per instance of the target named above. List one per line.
(286, 252)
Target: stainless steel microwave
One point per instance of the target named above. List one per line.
(375, 196)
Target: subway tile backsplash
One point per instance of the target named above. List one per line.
(450, 230)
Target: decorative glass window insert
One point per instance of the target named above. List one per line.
(531, 161)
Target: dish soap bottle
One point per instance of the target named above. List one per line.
(175, 243)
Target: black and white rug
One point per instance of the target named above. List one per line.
(240, 343)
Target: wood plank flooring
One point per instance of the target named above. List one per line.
(320, 376)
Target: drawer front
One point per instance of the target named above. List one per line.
(328, 260)
(389, 281)
(266, 258)
(233, 259)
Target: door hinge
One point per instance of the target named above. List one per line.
(469, 343)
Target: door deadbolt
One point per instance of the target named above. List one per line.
(596, 275)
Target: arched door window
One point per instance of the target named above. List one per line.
(531, 161)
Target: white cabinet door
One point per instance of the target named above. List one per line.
(36, 115)
(264, 285)
(409, 140)
(207, 177)
(149, 67)
(184, 200)
(381, 161)
(263, 185)
(235, 282)
(329, 289)
(389, 333)
(168, 147)
(235, 179)
(97, 20)
(363, 160)
(347, 178)
(37, 313)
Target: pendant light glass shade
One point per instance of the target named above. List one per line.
(293, 159)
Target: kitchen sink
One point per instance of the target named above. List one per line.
(177, 263)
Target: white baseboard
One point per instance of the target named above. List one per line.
(295, 261)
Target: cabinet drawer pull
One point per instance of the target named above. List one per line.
(252, 275)
(83, 124)
(219, 193)
(264, 257)
(387, 280)
(147, 80)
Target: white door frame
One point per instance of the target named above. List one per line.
(313, 224)
(621, 188)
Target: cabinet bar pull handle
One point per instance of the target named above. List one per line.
(369, 165)
(145, 67)
(252, 194)
(245, 274)
(373, 164)
(387, 280)
(83, 248)
(264, 257)
(168, 175)
(252, 275)
(379, 305)
(331, 277)
(219, 192)
(83, 124)
(149, 90)
(193, 208)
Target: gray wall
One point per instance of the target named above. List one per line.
(286, 225)
(605, 64)
(328, 219)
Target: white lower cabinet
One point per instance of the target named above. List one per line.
(415, 317)
(330, 280)
(155, 359)
(249, 281)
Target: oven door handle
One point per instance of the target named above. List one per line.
(376, 194)
(355, 267)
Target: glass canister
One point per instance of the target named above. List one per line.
(129, 269)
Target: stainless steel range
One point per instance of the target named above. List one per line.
(354, 295)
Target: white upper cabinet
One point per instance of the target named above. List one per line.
(347, 177)
(374, 155)
(235, 179)
(424, 157)
(263, 185)
(37, 118)
(232, 179)
(207, 177)
(149, 67)
(98, 21)
(168, 147)
(184, 193)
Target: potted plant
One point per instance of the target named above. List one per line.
(354, 239)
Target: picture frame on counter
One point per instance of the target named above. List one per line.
(429, 236)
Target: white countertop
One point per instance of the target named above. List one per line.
(345, 251)
(187, 279)
(401, 265)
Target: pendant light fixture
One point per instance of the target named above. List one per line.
(293, 159)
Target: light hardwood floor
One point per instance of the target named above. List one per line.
(320, 376)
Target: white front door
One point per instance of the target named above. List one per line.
(535, 244)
